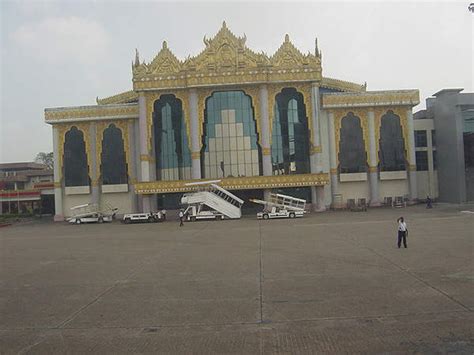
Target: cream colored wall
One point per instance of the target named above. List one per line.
(74, 200)
(120, 200)
(354, 190)
(392, 188)
(323, 123)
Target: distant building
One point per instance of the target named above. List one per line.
(444, 144)
(26, 188)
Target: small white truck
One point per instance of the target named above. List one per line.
(90, 213)
(149, 217)
(281, 206)
(276, 212)
(201, 211)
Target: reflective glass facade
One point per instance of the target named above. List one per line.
(113, 167)
(230, 141)
(173, 156)
(290, 135)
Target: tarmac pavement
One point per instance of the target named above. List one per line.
(332, 282)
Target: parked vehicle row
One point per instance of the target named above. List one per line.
(209, 201)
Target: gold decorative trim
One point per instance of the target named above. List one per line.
(62, 130)
(226, 60)
(266, 151)
(371, 98)
(100, 128)
(92, 112)
(145, 157)
(254, 93)
(411, 167)
(203, 95)
(373, 169)
(337, 84)
(333, 171)
(121, 98)
(196, 155)
(240, 183)
(151, 97)
(316, 149)
(57, 184)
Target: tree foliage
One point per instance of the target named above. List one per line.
(46, 159)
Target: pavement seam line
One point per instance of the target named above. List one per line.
(426, 283)
(260, 271)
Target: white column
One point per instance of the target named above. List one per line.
(429, 151)
(317, 192)
(58, 191)
(333, 160)
(265, 134)
(94, 165)
(195, 138)
(373, 173)
(144, 153)
(411, 156)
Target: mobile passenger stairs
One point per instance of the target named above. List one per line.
(281, 206)
(211, 202)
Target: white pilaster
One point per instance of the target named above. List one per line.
(317, 192)
(58, 191)
(144, 152)
(411, 156)
(195, 138)
(265, 134)
(373, 174)
(333, 158)
(94, 165)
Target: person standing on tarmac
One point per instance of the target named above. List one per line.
(181, 217)
(402, 232)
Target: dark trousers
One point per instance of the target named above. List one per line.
(180, 221)
(402, 236)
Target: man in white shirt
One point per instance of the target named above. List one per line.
(402, 232)
(181, 217)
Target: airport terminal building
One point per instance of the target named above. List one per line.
(257, 122)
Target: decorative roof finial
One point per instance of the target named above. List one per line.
(365, 85)
(137, 58)
(165, 45)
(224, 25)
(287, 38)
(316, 50)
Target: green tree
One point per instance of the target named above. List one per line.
(46, 159)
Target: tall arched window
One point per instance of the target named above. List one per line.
(173, 156)
(352, 154)
(76, 171)
(113, 165)
(290, 134)
(230, 139)
(392, 145)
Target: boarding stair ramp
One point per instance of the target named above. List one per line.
(216, 198)
(283, 201)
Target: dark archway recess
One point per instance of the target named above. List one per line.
(290, 134)
(230, 140)
(76, 171)
(352, 154)
(173, 156)
(392, 146)
(113, 165)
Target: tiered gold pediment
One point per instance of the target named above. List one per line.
(226, 60)
(288, 56)
(225, 52)
(164, 63)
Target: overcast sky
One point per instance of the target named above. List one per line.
(66, 53)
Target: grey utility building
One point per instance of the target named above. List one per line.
(452, 113)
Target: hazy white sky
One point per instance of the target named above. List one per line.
(67, 53)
